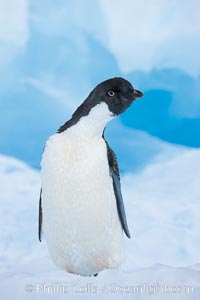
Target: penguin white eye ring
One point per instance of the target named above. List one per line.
(111, 93)
(81, 209)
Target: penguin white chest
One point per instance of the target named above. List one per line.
(80, 219)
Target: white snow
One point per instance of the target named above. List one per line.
(156, 34)
(162, 203)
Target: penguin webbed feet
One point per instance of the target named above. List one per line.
(94, 275)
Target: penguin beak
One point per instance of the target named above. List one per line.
(137, 94)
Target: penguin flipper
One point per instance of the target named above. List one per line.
(114, 172)
(40, 218)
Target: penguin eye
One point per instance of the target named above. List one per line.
(111, 93)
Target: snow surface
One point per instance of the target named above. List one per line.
(162, 203)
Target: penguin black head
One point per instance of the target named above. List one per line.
(117, 93)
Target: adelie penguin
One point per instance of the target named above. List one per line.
(81, 210)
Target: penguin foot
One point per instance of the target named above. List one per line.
(95, 275)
